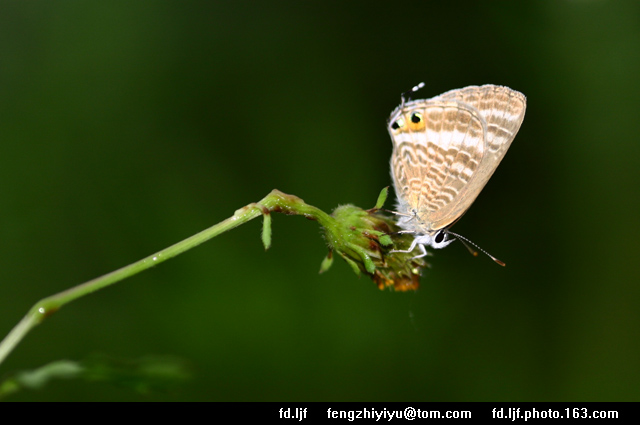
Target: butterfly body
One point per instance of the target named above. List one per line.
(445, 149)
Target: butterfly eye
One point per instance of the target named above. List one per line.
(397, 124)
(440, 237)
(416, 117)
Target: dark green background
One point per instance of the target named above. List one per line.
(128, 126)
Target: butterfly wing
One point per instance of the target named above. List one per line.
(502, 110)
(441, 163)
(438, 147)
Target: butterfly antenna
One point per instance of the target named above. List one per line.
(405, 96)
(466, 241)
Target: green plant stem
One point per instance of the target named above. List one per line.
(276, 201)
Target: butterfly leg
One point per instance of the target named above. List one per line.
(411, 248)
(397, 213)
(424, 252)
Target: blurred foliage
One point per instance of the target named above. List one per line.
(145, 375)
(128, 126)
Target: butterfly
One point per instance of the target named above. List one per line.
(445, 149)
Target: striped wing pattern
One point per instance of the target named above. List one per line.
(446, 148)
